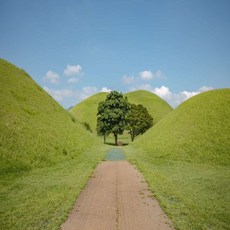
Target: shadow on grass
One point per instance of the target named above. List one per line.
(113, 144)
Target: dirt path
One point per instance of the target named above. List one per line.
(116, 197)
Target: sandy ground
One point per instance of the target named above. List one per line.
(116, 197)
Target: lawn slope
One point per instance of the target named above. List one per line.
(185, 159)
(199, 129)
(46, 155)
(155, 105)
(86, 111)
(35, 131)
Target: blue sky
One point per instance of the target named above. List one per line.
(75, 48)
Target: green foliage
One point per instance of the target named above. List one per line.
(34, 129)
(112, 115)
(87, 109)
(139, 120)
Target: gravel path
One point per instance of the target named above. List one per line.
(116, 197)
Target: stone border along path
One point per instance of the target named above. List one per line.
(116, 197)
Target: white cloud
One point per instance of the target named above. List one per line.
(174, 99)
(88, 91)
(106, 90)
(52, 77)
(72, 80)
(162, 92)
(72, 69)
(146, 75)
(205, 88)
(60, 94)
(127, 80)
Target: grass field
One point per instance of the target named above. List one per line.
(185, 159)
(46, 155)
(42, 198)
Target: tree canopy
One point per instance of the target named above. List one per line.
(112, 115)
(139, 120)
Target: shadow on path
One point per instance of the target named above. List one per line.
(115, 154)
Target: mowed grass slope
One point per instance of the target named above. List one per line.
(155, 105)
(198, 130)
(86, 111)
(35, 131)
(46, 156)
(186, 160)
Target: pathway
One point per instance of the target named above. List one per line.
(116, 197)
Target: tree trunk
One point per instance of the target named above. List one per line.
(132, 137)
(115, 136)
(104, 139)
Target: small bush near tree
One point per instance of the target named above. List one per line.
(87, 126)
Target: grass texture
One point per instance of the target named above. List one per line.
(35, 131)
(86, 111)
(156, 106)
(185, 159)
(46, 155)
(42, 198)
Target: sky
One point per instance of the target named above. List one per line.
(76, 48)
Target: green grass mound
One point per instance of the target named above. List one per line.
(86, 111)
(46, 155)
(156, 106)
(185, 159)
(198, 130)
(35, 131)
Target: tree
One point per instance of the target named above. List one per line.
(112, 115)
(139, 120)
(102, 121)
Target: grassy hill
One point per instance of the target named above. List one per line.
(46, 155)
(86, 111)
(185, 158)
(199, 129)
(34, 129)
(155, 105)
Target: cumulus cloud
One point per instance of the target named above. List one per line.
(105, 89)
(52, 77)
(59, 95)
(205, 88)
(72, 69)
(88, 91)
(174, 99)
(72, 80)
(147, 75)
(127, 80)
